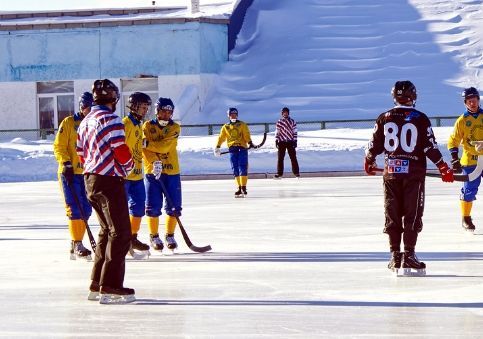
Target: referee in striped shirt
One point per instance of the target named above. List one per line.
(102, 149)
(286, 139)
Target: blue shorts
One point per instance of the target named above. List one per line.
(470, 188)
(239, 160)
(136, 197)
(71, 207)
(155, 195)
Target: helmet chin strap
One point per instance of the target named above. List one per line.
(233, 120)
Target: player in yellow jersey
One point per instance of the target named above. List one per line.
(467, 129)
(161, 165)
(71, 178)
(138, 105)
(237, 136)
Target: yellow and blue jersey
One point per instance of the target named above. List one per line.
(160, 145)
(134, 140)
(235, 134)
(65, 143)
(467, 128)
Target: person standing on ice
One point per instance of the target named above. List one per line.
(286, 140)
(71, 179)
(139, 104)
(107, 161)
(161, 168)
(467, 129)
(406, 138)
(237, 136)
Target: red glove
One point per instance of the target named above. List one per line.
(446, 172)
(369, 166)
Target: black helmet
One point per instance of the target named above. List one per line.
(470, 92)
(136, 99)
(105, 92)
(403, 92)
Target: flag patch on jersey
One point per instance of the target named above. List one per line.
(397, 166)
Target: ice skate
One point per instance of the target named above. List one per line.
(239, 193)
(138, 249)
(111, 295)
(156, 242)
(171, 242)
(93, 291)
(395, 263)
(411, 265)
(467, 224)
(78, 251)
(278, 176)
(244, 190)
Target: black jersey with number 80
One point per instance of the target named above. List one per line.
(406, 138)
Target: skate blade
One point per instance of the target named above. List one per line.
(239, 196)
(396, 272)
(141, 255)
(93, 296)
(113, 299)
(75, 257)
(414, 272)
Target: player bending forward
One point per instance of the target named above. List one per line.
(406, 138)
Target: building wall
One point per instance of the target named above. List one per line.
(184, 56)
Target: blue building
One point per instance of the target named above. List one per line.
(48, 59)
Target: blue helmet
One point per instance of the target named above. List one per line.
(232, 110)
(164, 104)
(470, 92)
(86, 100)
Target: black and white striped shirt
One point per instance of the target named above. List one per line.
(286, 130)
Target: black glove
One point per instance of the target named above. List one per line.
(68, 172)
(276, 143)
(369, 166)
(455, 162)
(294, 144)
(251, 145)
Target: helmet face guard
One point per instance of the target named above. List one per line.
(404, 93)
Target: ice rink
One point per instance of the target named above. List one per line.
(295, 259)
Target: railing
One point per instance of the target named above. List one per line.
(255, 128)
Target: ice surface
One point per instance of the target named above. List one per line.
(296, 259)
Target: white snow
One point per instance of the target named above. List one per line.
(318, 151)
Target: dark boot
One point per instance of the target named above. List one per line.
(468, 224)
(395, 262)
(138, 245)
(239, 192)
(411, 262)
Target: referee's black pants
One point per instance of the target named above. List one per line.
(108, 198)
(292, 153)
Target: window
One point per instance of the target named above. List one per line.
(55, 103)
(148, 86)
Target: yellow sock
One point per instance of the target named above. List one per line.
(238, 181)
(170, 224)
(135, 224)
(243, 180)
(466, 208)
(77, 228)
(153, 225)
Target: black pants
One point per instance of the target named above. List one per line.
(404, 207)
(292, 153)
(108, 198)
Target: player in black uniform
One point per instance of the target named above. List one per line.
(406, 138)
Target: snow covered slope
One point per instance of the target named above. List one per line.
(338, 59)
